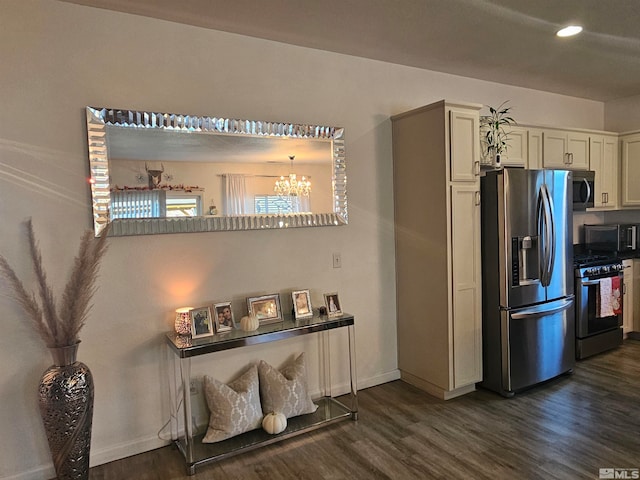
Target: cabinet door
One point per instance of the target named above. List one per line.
(467, 279)
(555, 149)
(464, 145)
(631, 171)
(636, 295)
(603, 160)
(565, 150)
(627, 297)
(578, 145)
(534, 140)
(517, 153)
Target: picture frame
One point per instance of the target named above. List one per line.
(266, 308)
(302, 304)
(223, 317)
(202, 323)
(332, 302)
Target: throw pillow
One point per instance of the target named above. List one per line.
(285, 391)
(235, 408)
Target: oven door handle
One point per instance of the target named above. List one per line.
(590, 282)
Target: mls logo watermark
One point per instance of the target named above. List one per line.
(627, 473)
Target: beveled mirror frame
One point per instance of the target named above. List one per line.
(99, 118)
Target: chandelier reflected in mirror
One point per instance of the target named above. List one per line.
(290, 186)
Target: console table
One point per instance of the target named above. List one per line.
(329, 411)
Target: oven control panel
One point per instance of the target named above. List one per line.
(598, 270)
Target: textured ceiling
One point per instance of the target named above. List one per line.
(506, 41)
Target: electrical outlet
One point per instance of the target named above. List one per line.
(337, 260)
(194, 387)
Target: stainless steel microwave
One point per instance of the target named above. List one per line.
(611, 238)
(583, 189)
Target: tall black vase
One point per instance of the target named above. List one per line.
(66, 407)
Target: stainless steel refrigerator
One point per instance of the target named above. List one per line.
(528, 322)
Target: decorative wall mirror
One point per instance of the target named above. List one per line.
(169, 173)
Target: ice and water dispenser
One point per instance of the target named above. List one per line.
(525, 260)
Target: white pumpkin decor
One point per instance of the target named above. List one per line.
(274, 423)
(249, 323)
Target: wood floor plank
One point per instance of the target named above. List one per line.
(565, 429)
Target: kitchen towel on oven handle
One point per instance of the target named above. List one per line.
(609, 299)
(604, 299)
(616, 295)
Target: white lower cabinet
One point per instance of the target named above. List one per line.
(465, 260)
(627, 297)
(437, 234)
(636, 299)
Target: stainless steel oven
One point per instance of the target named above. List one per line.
(598, 329)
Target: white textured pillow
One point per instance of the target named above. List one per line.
(285, 391)
(235, 408)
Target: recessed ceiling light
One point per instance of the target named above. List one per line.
(569, 31)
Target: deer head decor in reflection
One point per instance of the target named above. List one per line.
(155, 176)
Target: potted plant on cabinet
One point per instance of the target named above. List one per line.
(494, 133)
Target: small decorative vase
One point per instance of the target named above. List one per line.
(66, 407)
(497, 160)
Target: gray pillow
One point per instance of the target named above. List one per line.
(285, 391)
(235, 408)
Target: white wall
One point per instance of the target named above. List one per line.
(56, 59)
(623, 114)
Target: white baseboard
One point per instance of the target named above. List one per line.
(344, 388)
(141, 445)
(37, 473)
(97, 457)
(379, 379)
(127, 449)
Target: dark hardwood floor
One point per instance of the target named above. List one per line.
(568, 428)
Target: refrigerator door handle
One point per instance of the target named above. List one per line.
(547, 229)
(552, 233)
(542, 234)
(541, 245)
(541, 310)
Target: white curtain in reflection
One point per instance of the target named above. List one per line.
(233, 194)
(304, 205)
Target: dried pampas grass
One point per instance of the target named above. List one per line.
(60, 327)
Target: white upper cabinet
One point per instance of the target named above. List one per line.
(630, 186)
(603, 160)
(565, 150)
(465, 145)
(517, 148)
(534, 150)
